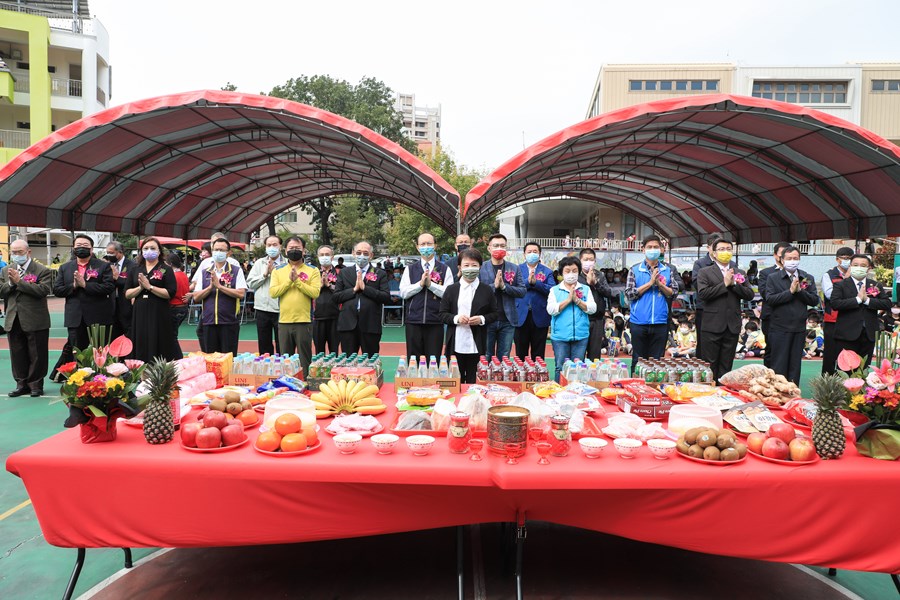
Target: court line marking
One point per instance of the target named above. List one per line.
(828, 581)
(15, 509)
(121, 573)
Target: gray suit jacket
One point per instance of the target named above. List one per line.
(27, 300)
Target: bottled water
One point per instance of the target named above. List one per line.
(432, 367)
(443, 369)
(423, 367)
(603, 374)
(401, 369)
(454, 367)
(411, 370)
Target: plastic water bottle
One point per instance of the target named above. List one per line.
(443, 368)
(423, 367)
(432, 367)
(401, 369)
(454, 367)
(603, 372)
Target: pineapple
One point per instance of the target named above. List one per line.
(159, 422)
(827, 432)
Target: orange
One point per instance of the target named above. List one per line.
(288, 423)
(248, 417)
(311, 437)
(268, 441)
(293, 442)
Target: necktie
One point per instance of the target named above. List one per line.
(21, 271)
(427, 267)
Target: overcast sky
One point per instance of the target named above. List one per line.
(504, 73)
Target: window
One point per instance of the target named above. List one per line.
(696, 86)
(886, 85)
(878, 85)
(420, 123)
(650, 86)
(712, 86)
(24, 66)
(668, 85)
(288, 217)
(23, 125)
(665, 86)
(810, 92)
(681, 86)
(634, 85)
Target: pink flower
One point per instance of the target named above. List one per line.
(874, 381)
(100, 355)
(738, 278)
(303, 276)
(116, 369)
(133, 363)
(29, 278)
(804, 284)
(90, 274)
(848, 360)
(123, 274)
(888, 376)
(854, 384)
(873, 291)
(579, 294)
(510, 276)
(436, 277)
(540, 277)
(225, 279)
(156, 274)
(371, 276)
(332, 278)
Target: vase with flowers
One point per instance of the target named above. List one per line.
(873, 394)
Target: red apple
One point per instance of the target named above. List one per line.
(189, 434)
(782, 431)
(775, 448)
(209, 437)
(755, 442)
(202, 413)
(233, 434)
(802, 449)
(215, 418)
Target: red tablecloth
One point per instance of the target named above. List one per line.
(130, 494)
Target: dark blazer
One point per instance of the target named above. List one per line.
(789, 310)
(94, 303)
(535, 297)
(515, 287)
(484, 303)
(27, 300)
(700, 264)
(766, 309)
(123, 305)
(376, 293)
(600, 291)
(721, 303)
(852, 315)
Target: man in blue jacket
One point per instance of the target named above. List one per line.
(650, 284)
(533, 323)
(503, 277)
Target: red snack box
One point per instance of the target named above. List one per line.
(644, 401)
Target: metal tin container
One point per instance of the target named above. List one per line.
(507, 425)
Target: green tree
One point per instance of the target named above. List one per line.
(229, 87)
(355, 220)
(129, 241)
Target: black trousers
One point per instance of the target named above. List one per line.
(767, 357)
(718, 351)
(120, 326)
(78, 338)
(785, 349)
(531, 340)
(325, 333)
(356, 341)
(648, 341)
(698, 319)
(468, 364)
(861, 345)
(424, 340)
(221, 338)
(179, 315)
(596, 339)
(29, 356)
(266, 327)
(830, 350)
(201, 337)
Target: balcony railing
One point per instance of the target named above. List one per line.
(58, 87)
(14, 138)
(57, 20)
(101, 96)
(615, 245)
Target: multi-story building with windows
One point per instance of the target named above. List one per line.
(421, 124)
(57, 71)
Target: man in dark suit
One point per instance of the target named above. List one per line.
(361, 291)
(707, 260)
(463, 242)
(766, 310)
(86, 282)
(722, 289)
(789, 291)
(467, 308)
(121, 265)
(858, 300)
(25, 285)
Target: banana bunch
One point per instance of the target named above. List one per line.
(337, 397)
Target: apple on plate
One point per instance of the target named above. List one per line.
(782, 431)
(775, 448)
(209, 437)
(233, 434)
(755, 442)
(215, 418)
(189, 433)
(802, 449)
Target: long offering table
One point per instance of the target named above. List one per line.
(130, 494)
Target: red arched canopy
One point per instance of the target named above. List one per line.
(190, 164)
(758, 169)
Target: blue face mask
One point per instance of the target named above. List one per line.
(532, 258)
(273, 251)
(20, 259)
(652, 253)
(361, 260)
(219, 256)
(398, 276)
(426, 251)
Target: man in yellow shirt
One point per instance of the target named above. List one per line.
(296, 285)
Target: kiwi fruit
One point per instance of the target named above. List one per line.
(725, 440)
(695, 451)
(218, 404)
(234, 408)
(741, 449)
(706, 439)
(231, 396)
(682, 446)
(711, 453)
(729, 455)
(245, 404)
(690, 436)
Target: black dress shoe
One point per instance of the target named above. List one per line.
(37, 393)
(18, 392)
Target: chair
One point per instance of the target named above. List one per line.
(194, 310)
(384, 320)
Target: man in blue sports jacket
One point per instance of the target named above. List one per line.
(533, 322)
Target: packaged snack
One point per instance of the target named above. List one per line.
(802, 411)
(414, 420)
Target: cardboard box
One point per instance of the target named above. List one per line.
(254, 381)
(445, 383)
(516, 386)
(597, 385)
(644, 401)
(366, 374)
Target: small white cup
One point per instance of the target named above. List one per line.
(592, 446)
(627, 447)
(347, 443)
(384, 442)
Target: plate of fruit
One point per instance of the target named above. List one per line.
(781, 445)
(711, 446)
(214, 433)
(287, 438)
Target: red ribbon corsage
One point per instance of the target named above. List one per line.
(29, 278)
(436, 277)
(371, 277)
(579, 294)
(738, 278)
(804, 284)
(510, 276)
(303, 276)
(872, 291)
(156, 274)
(225, 279)
(540, 277)
(90, 274)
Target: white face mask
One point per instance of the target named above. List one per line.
(791, 265)
(570, 278)
(587, 265)
(325, 260)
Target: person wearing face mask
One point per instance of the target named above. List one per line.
(24, 287)
(361, 291)
(721, 288)
(570, 304)
(467, 308)
(858, 299)
(765, 309)
(265, 306)
(151, 285)
(325, 312)
(504, 278)
(707, 260)
(650, 285)
(422, 286)
(789, 292)
(197, 275)
(463, 242)
(86, 282)
(596, 280)
(891, 318)
(531, 309)
(833, 276)
(685, 340)
(296, 286)
(222, 287)
(121, 265)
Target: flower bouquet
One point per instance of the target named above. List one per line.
(98, 386)
(874, 394)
